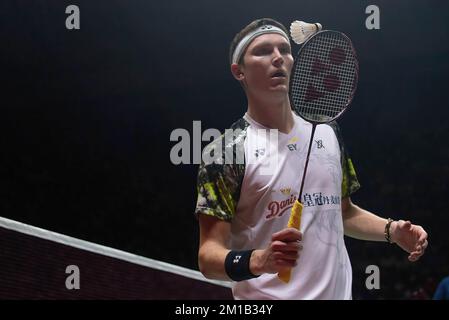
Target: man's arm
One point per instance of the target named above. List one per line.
(281, 254)
(361, 224)
(214, 235)
(364, 225)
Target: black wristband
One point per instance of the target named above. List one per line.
(237, 265)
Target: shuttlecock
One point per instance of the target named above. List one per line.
(300, 30)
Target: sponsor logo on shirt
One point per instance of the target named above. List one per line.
(277, 208)
(319, 144)
(259, 152)
(318, 199)
(292, 144)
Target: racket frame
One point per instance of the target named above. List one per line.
(295, 108)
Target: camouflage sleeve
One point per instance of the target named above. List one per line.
(350, 183)
(220, 182)
(218, 190)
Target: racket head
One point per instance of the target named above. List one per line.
(324, 77)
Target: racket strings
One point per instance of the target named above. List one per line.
(324, 79)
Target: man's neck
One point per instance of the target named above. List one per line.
(275, 114)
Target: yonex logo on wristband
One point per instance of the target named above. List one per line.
(237, 265)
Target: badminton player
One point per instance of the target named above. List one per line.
(243, 212)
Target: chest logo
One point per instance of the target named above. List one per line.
(319, 144)
(259, 152)
(292, 144)
(277, 208)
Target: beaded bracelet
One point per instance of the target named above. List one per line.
(387, 230)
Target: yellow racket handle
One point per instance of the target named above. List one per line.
(293, 222)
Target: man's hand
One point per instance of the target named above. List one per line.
(409, 237)
(281, 254)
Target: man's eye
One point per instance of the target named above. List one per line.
(285, 50)
(262, 52)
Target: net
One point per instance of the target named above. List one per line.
(38, 264)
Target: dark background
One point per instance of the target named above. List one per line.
(86, 117)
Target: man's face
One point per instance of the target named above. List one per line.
(267, 64)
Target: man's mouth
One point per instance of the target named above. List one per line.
(279, 74)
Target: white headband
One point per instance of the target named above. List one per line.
(243, 44)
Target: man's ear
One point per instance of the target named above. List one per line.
(237, 72)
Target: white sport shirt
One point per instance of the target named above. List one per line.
(256, 196)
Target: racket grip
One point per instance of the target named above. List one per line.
(293, 222)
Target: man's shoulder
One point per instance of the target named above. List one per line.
(228, 148)
(233, 135)
(240, 124)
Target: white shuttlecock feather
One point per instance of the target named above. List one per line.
(300, 30)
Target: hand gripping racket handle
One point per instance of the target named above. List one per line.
(293, 222)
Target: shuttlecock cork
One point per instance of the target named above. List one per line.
(300, 31)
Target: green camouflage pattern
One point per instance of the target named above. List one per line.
(219, 183)
(350, 183)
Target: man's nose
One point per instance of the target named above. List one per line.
(278, 59)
